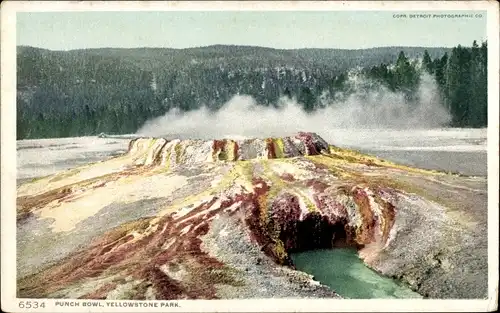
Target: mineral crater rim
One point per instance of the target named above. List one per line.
(218, 219)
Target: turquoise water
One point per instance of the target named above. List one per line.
(342, 270)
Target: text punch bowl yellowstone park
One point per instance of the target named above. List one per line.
(197, 219)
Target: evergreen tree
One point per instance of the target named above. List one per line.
(427, 63)
(406, 76)
(464, 85)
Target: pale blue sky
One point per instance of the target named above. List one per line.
(288, 30)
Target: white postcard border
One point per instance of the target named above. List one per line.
(8, 159)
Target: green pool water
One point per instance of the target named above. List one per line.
(342, 270)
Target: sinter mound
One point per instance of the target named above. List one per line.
(218, 219)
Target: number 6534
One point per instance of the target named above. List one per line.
(31, 304)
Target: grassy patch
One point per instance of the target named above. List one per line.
(34, 180)
(122, 230)
(376, 181)
(279, 148)
(179, 149)
(309, 204)
(332, 164)
(279, 250)
(167, 159)
(353, 156)
(245, 169)
(222, 276)
(277, 184)
(222, 156)
(65, 174)
(229, 151)
(264, 219)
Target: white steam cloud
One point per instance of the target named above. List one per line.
(366, 108)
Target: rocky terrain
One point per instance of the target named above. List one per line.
(208, 219)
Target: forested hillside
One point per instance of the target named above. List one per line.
(461, 76)
(86, 92)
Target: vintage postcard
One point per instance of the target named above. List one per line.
(249, 156)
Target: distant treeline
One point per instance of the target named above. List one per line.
(86, 92)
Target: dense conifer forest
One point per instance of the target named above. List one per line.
(86, 92)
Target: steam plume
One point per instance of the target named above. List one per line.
(371, 108)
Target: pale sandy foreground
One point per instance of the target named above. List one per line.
(218, 219)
